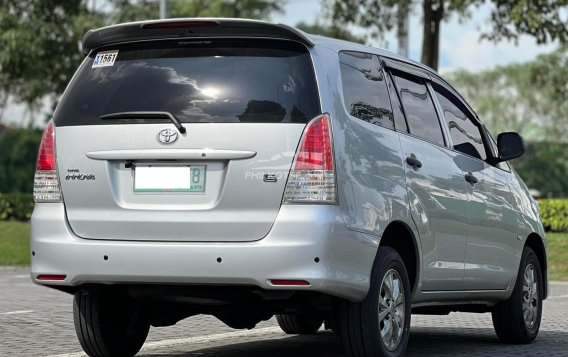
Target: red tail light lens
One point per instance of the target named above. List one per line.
(312, 178)
(46, 156)
(46, 180)
(316, 152)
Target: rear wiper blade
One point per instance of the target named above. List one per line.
(146, 115)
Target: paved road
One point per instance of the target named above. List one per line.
(36, 321)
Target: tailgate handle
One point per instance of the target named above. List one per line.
(171, 154)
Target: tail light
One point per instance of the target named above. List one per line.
(46, 180)
(312, 178)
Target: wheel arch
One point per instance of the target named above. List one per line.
(400, 237)
(537, 244)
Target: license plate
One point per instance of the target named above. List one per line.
(169, 178)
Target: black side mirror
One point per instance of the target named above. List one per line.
(510, 146)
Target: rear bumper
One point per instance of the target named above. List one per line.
(299, 235)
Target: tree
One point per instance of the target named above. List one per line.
(548, 75)
(39, 46)
(318, 28)
(508, 19)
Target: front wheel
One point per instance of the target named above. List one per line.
(517, 320)
(108, 323)
(380, 324)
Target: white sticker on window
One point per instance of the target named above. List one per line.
(105, 59)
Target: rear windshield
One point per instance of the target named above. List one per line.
(219, 81)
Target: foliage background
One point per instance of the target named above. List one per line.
(18, 148)
(16, 207)
(554, 214)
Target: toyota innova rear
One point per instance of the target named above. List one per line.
(247, 170)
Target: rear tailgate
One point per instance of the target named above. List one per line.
(244, 105)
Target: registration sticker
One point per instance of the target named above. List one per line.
(105, 59)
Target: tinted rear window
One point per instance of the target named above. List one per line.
(364, 89)
(197, 81)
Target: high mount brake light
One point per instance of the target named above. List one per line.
(312, 178)
(46, 180)
(180, 25)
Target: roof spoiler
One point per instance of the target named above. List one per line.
(189, 28)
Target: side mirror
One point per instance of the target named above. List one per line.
(510, 146)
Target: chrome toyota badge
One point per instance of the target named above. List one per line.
(167, 136)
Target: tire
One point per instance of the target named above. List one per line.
(108, 323)
(332, 324)
(360, 322)
(299, 324)
(509, 316)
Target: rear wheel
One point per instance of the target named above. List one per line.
(299, 324)
(108, 323)
(517, 320)
(380, 324)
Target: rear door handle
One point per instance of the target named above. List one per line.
(471, 179)
(413, 161)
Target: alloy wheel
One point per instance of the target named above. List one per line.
(391, 310)
(530, 296)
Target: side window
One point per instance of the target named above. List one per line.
(399, 121)
(466, 136)
(419, 109)
(364, 88)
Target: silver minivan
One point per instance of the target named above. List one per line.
(247, 170)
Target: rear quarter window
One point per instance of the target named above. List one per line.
(197, 81)
(365, 90)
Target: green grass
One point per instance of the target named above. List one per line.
(15, 248)
(14, 243)
(558, 256)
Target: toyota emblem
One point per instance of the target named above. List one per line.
(167, 136)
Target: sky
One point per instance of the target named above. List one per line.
(460, 47)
